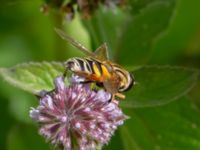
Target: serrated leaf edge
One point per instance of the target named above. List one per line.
(17, 84)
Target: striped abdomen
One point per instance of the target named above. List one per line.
(93, 70)
(89, 68)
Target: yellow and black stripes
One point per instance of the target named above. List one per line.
(100, 70)
(95, 70)
(89, 66)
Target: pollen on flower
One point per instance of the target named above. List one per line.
(76, 112)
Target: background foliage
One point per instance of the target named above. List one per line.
(149, 39)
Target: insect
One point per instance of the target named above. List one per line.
(98, 68)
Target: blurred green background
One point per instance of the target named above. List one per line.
(169, 35)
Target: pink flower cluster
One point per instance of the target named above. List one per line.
(76, 115)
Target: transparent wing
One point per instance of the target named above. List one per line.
(75, 43)
(102, 52)
(112, 84)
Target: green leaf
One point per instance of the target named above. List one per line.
(115, 143)
(143, 30)
(106, 26)
(194, 94)
(137, 6)
(159, 85)
(173, 126)
(6, 121)
(180, 42)
(20, 103)
(134, 30)
(33, 77)
(28, 139)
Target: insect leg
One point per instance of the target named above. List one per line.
(111, 98)
(85, 82)
(121, 96)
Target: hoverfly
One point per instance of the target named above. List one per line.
(98, 68)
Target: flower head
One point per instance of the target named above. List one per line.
(77, 114)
